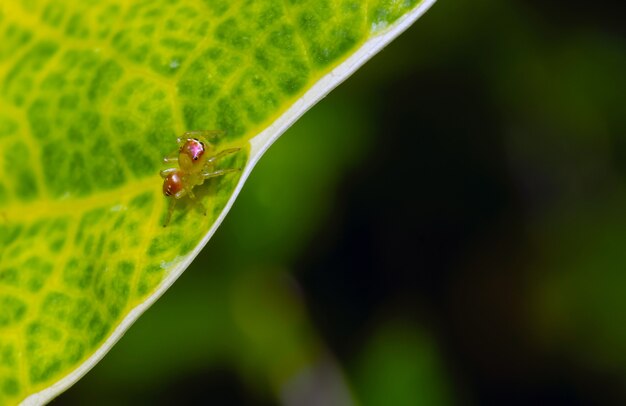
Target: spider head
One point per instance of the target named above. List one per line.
(191, 153)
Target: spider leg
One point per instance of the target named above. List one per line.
(204, 133)
(180, 194)
(207, 174)
(194, 199)
(189, 192)
(173, 201)
(171, 157)
(165, 172)
(169, 212)
(222, 154)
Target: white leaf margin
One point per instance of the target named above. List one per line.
(259, 144)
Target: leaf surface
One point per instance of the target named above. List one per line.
(92, 96)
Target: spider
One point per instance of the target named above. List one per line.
(196, 163)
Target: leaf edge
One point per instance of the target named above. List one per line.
(259, 145)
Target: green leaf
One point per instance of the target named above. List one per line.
(92, 96)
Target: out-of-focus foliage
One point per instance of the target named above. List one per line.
(471, 251)
(401, 365)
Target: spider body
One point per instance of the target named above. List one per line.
(196, 160)
(173, 184)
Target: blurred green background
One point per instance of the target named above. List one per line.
(447, 227)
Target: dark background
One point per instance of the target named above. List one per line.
(447, 227)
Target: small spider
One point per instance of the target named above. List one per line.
(196, 163)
